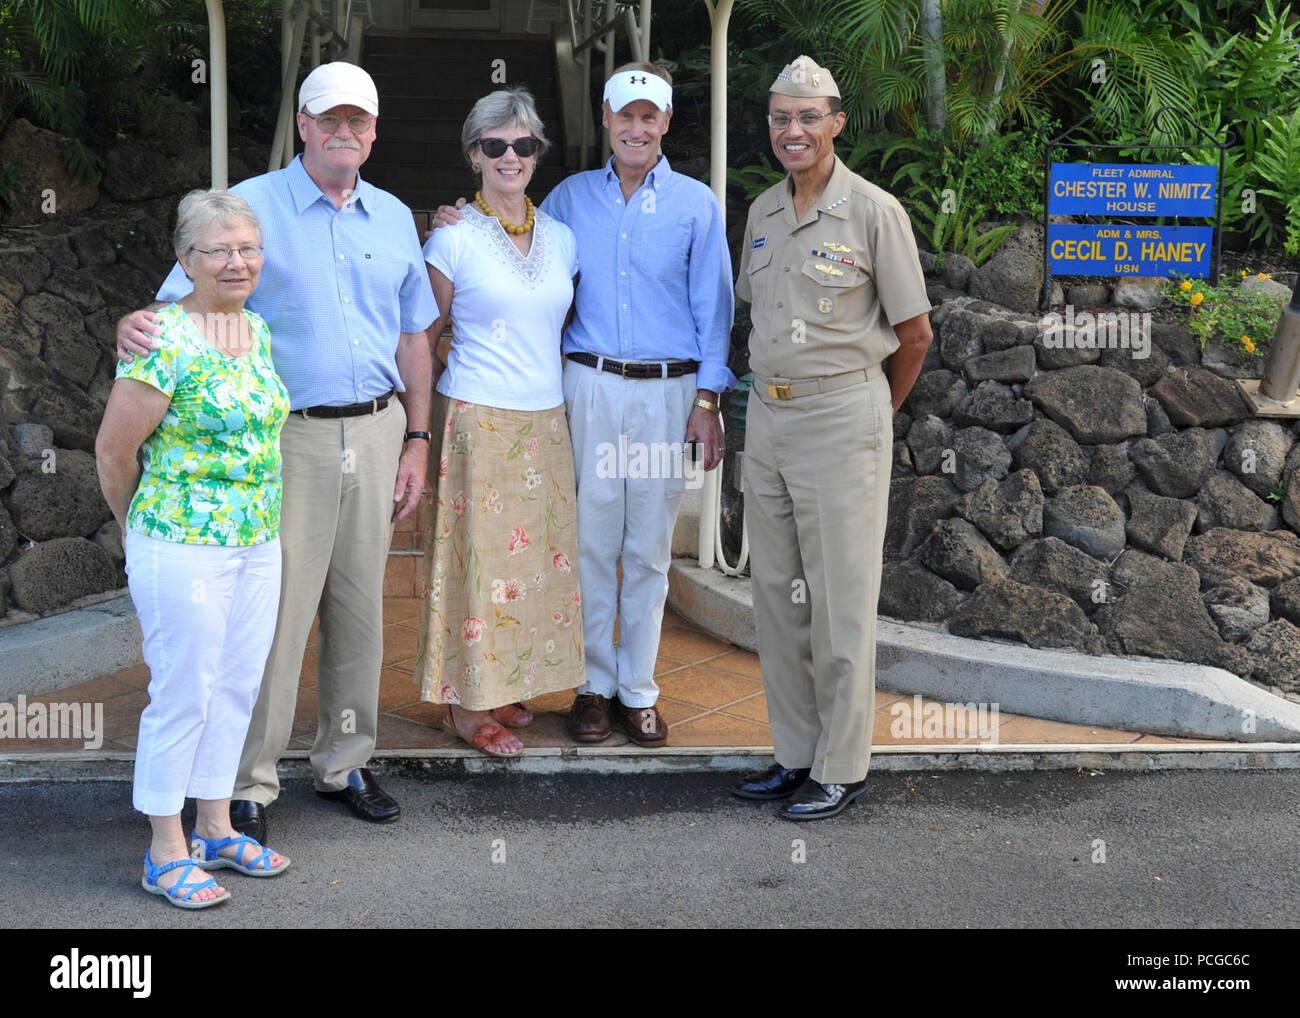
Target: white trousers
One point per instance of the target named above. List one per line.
(627, 434)
(208, 616)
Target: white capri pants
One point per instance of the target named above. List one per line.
(208, 616)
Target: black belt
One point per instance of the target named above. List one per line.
(637, 369)
(370, 406)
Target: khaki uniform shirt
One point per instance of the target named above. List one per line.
(824, 291)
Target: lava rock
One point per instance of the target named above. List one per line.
(935, 393)
(1146, 371)
(1263, 559)
(1197, 398)
(1176, 464)
(1111, 468)
(1224, 501)
(49, 575)
(1010, 610)
(1141, 292)
(959, 553)
(927, 439)
(1096, 405)
(1159, 613)
(910, 592)
(980, 456)
(1157, 420)
(1177, 342)
(915, 506)
(1157, 524)
(1048, 450)
(1275, 649)
(1238, 608)
(993, 405)
(957, 269)
(64, 503)
(1015, 364)
(1009, 512)
(1257, 453)
(1052, 564)
(1285, 601)
(1088, 518)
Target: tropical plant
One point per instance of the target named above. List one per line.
(1243, 320)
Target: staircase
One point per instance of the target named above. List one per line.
(427, 84)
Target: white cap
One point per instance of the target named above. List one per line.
(629, 86)
(338, 84)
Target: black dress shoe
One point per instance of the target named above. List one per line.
(367, 799)
(249, 818)
(774, 783)
(815, 801)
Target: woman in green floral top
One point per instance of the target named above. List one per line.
(201, 529)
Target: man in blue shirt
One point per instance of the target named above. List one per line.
(347, 298)
(646, 360)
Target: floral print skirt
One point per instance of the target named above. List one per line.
(502, 613)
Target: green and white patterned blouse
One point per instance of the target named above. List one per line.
(212, 468)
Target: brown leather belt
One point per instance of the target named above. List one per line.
(370, 406)
(636, 369)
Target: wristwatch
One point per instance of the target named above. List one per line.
(417, 434)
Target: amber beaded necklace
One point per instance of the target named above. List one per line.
(508, 227)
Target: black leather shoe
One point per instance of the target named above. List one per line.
(774, 783)
(249, 818)
(815, 801)
(367, 799)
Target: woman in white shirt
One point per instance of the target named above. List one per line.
(503, 616)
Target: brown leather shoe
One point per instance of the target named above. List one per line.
(589, 718)
(644, 725)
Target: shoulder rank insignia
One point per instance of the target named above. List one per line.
(830, 270)
(837, 203)
(830, 245)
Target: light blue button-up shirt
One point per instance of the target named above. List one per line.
(655, 278)
(338, 286)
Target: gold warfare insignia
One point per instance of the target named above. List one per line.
(837, 248)
(830, 270)
(824, 305)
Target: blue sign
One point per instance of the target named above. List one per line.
(1129, 250)
(1120, 189)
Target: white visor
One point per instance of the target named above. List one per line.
(629, 86)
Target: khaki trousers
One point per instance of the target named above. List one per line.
(816, 482)
(335, 530)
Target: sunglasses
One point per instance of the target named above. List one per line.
(495, 148)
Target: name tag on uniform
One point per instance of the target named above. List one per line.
(759, 242)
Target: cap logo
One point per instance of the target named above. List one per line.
(639, 79)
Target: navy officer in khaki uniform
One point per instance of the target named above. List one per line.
(831, 272)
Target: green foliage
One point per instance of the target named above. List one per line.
(1279, 164)
(1243, 321)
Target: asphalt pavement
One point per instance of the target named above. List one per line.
(1181, 849)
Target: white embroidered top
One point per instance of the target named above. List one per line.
(507, 310)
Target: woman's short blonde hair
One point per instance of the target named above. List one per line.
(496, 109)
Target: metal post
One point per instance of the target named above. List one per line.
(1282, 376)
(217, 98)
(611, 41)
(711, 492)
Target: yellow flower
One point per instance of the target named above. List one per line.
(1196, 299)
(1263, 275)
(1247, 345)
(1185, 285)
(1243, 273)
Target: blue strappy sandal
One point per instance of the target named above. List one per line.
(180, 893)
(206, 852)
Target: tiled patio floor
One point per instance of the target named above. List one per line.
(712, 696)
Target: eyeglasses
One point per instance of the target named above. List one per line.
(495, 148)
(780, 121)
(249, 252)
(358, 123)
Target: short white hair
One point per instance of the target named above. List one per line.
(200, 209)
(497, 109)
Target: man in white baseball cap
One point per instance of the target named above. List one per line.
(646, 359)
(347, 298)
